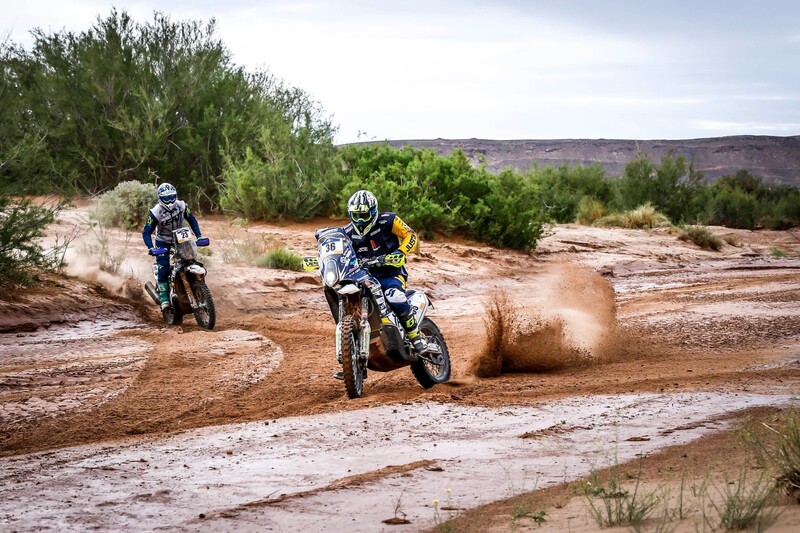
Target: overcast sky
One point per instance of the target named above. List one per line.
(503, 69)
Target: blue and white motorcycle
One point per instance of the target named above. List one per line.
(188, 292)
(362, 340)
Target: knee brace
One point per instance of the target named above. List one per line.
(398, 301)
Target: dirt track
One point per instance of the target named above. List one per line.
(624, 312)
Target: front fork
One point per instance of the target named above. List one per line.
(339, 330)
(366, 330)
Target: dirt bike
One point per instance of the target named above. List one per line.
(362, 340)
(188, 292)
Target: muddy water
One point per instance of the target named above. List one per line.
(246, 477)
(47, 372)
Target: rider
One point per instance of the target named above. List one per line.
(167, 216)
(376, 234)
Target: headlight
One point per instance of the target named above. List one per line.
(331, 278)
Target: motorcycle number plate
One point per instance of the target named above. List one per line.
(332, 247)
(182, 235)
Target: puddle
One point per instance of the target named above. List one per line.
(246, 477)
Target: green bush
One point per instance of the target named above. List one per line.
(21, 256)
(126, 206)
(280, 258)
(671, 187)
(446, 193)
(702, 237)
(561, 190)
(642, 217)
(83, 111)
(290, 171)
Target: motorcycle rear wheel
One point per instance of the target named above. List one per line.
(427, 373)
(204, 313)
(352, 366)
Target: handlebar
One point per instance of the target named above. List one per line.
(372, 262)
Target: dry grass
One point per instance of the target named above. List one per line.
(642, 217)
(677, 489)
(589, 211)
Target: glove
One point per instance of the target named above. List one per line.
(395, 259)
(203, 241)
(157, 251)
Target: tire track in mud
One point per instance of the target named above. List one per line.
(184, 385)
(178, 380)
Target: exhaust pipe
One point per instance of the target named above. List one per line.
(151, 290)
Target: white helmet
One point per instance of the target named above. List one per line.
(362, 208)
(167, 195)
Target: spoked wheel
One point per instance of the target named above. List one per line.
(352, 366)
(438, 371)
(204, 313)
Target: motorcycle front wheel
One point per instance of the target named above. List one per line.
(204, 313)
(427, 373)
(352, 367)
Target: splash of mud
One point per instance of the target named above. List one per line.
(570, 321)
(88, 268)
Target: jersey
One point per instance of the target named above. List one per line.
(165, 220)
(387, 235)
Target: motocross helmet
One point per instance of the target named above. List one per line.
(362, 208)
(167, 195)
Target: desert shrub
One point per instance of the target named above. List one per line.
(126, 206)
(734, 208)
(732, 240)
(508, 215)
(644, 216)
(446, 193)
(561, 189)
(290, 170)
(785, 454)
(777, 252)
(611, 504)
(21, 257)
(280, 258)
(777, 446)
(85, 110)
(673, 187)
(745, 503)
(702, 237)
(589, 211)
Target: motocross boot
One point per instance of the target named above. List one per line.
(163, 293)
(421, 346)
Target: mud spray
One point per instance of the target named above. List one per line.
(568, 319)
(119, 280)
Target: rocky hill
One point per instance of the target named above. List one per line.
(775, 159)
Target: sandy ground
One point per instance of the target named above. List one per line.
(616, 344)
